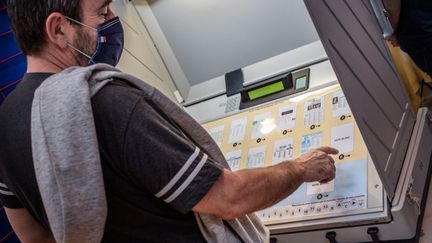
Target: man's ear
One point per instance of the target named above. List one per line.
(58, 30)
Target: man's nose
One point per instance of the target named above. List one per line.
(111, 14)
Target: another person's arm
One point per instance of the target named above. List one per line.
(26, 228)
(393, 7)
(246, 191)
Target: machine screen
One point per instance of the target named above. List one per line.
(266, 90)
(287, 129)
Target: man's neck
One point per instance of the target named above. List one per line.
(40, 65)
(49, 61)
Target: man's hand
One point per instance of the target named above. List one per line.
(318, 165)
(393, 40)
(245, 191)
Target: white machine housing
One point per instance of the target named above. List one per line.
(352, 53)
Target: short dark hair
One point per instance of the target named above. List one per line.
(28, 20)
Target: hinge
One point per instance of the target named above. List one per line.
(413, 200)
(178, 96)
(429, 117)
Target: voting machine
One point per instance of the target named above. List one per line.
(330, 80)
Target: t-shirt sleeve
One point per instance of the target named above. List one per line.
(163, 161)
(8, 198)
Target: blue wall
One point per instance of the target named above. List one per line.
(12, 61)
(12, 67)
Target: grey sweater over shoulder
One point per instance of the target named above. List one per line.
(68, 166)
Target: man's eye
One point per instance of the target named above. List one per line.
(104, 11)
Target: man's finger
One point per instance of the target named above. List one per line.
(331, 159)
(328, 150)
(326, 180)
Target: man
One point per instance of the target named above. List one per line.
(412, 22)
(152, 174)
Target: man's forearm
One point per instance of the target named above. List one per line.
(47, 238)
(266, 186)
(246, 191)
(26, 227)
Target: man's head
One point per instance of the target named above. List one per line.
(44, 28)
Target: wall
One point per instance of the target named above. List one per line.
(140, 56)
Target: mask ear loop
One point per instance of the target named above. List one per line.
(82, 53)
(77, 22)
(79, 51)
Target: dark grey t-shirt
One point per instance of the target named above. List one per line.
(154, 175)
(415, 26)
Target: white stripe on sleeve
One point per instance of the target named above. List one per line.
(4, 186)
(187, 182)
(6, 193)
(179, 174)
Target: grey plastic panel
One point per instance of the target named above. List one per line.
(353, 41)
(212, 38)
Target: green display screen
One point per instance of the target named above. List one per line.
(266, 90)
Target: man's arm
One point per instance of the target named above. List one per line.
(246, 191)
(26, 228)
